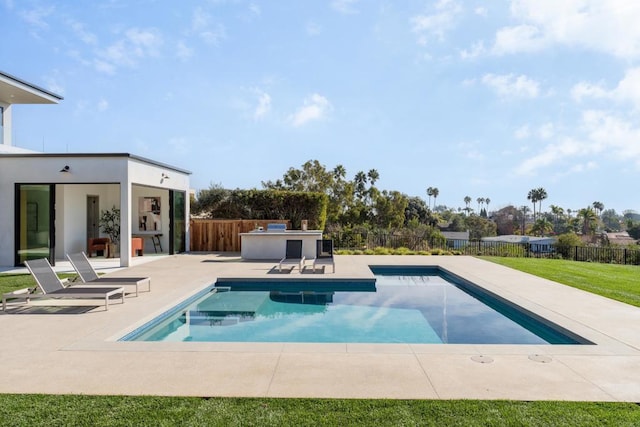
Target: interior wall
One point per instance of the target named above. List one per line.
(138, 191)
(71, 212)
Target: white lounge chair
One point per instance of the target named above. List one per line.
(293, 255)
(51, 287)
(324, 254)
(88, 275)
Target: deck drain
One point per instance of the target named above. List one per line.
(482, 359)
(540, 358)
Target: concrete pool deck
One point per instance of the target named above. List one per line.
(60, 353)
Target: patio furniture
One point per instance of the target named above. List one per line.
(137, 246)
(324, 254)
(88, 275)
(99, 244)
(293, 255)
(51, 287)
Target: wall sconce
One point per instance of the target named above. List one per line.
(66, 168)
(165, 176)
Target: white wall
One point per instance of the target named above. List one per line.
(6, 125)
(71, 213)
(87, 176)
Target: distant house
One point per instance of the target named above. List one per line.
(51, 203)
(456, 239)
(621, 238)
(536, 244)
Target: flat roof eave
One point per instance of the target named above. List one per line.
(17, 91)
(96, 155)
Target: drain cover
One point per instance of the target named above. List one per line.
(482, 359)
(540, 358)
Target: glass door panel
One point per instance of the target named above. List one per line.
(177, 224)
(35, 222)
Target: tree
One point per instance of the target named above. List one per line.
(598, 207)
(532, 196)
(541, 227)
(542, 195)
(480, 201)
(611, 220)
(430, 193)
(436, 192)
(588, 217)
(467, 200)
(487, 201)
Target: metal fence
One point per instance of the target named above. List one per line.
(368, 241)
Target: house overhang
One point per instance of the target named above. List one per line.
(16, 91)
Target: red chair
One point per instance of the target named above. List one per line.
(98, 244)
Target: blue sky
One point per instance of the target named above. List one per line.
(477, 98)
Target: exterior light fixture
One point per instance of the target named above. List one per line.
(66, 168)
(165, 176)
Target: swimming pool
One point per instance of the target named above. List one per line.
(400, 305)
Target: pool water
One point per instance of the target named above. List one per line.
(410, 305)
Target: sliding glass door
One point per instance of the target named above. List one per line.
(35, 222)
(177, 224)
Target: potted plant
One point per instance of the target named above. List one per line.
(110, 225)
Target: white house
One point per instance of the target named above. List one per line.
(51, 203)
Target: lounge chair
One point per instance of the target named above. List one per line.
(88, 275)
(51, 287)
(324, 254)
(293, 255)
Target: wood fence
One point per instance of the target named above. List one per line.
(223, 235)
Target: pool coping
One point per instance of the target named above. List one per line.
(77, 347)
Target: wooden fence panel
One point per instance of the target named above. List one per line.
(223, 235)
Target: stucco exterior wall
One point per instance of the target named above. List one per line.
(117, 180)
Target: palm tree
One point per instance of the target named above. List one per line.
(588, 217)
(480, 201)
(486, 202)
(599, 207)
(467, 200)
(533, 197)
(542, 194)
(436, 192)
(524, 210)
(541, 227)
(430, 193)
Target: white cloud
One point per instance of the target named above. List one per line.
(602, 135)
(522, 38)
(345, 6)
(512, 86)
(82, 33)
(201, 26)
(477, 49)
(127, 51)
(603, 26)
(315, 108)
(183, 51)
(264, 105)
(627, 90)
(436, 24)
(37, 17)
(481, 11)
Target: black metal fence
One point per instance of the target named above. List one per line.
(372, 240)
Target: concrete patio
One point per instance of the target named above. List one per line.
(80, 354)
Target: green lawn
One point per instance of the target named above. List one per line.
(613, 281)
(619, 282)
(12, 282)
(50, 410)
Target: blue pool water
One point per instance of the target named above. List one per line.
(402, 305)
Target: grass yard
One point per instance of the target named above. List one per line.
(54, 410)
(618, 282)
(12, 282)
